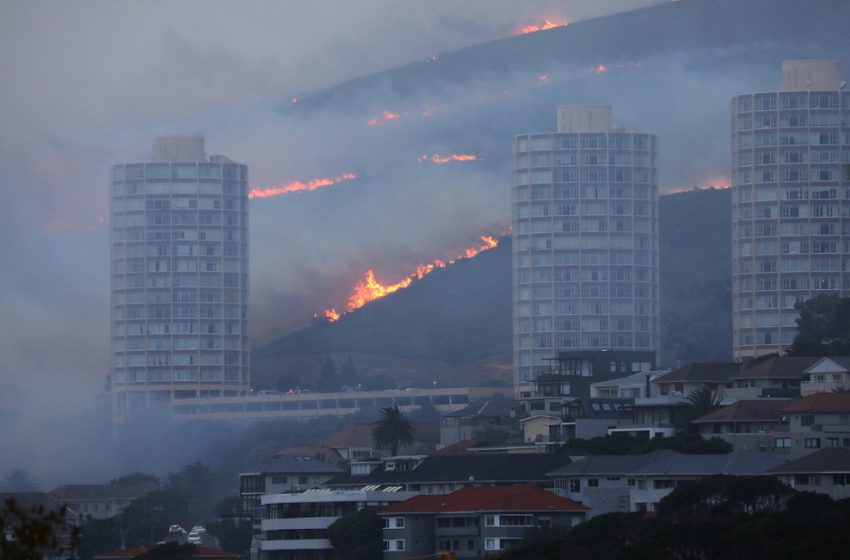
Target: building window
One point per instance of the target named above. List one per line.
(832, 442)
(279, 480)
(394, 545)
(812, 443)
(807, 420)
(782, 443)
(489, 521)
(575, 485)
(302, 480)
(394, 522)
(593, 483)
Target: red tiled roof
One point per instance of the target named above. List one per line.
(124, 552)
(780, 367)
(457, 448)
(700, 372)
(355, 435)
(819, 402)
(489, 498)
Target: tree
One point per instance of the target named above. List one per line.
(35, 533)
(328, 381)
(392, 430)
(823, 327)
(348, 373)
(701, 401)
(357, 536)
(18, 480)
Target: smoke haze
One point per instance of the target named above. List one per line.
(89, 84)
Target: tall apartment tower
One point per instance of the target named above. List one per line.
(791, 202)
(179, 277)
(585, 250)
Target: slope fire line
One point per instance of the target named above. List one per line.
(437, 158)
(298, 186)
(547, 24)
(369, 288)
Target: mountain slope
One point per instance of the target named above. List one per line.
(460, 316)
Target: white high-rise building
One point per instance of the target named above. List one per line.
(791, 202)
(585, 250)
(179, 277)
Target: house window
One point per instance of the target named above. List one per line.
(807, 420)
(278, 480)
(394, 545)
(575, 485)
(394, 522)
(593, 483)
(832, 442)
(489, 521)
(782, 442)
(491, 544)
(812, 443)
(302, 480)
(631, 482)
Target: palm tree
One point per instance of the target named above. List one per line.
(701, 401)
(392, 430)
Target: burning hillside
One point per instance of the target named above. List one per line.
(369, 288)
(298, 186)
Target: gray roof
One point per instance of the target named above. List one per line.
(827, 460)
(293, 464)
(496, 406)
(499, 468)
(673, 463)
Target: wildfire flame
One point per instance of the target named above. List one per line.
(547, 24)
(601, 69)
(437, 158)
(298, 186)
(385, 116)
(369, 288)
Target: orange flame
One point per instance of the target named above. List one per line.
(298, 186)
(601, 69)
(437, 158)
(547, 24)
(369, 288)
(385, 116)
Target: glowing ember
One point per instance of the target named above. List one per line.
(437, 158)
(294, 100)
(601, 69)
(542, 78)
(298, 186)
(389, 115)
(547, 24)
(369, 288)
(331, 315)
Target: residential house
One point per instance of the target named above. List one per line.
(483, 415)
(608, 483)
(280, 473)
(472, 522)
(294, 525)
(353, 442)
(635, 386)
(745, 424)
(826, 375)
(100, 501)
(777, 377)
(585, 417)
(694, 376)
(826, 471)
(656, 416)
(815, 421)
(441, 474)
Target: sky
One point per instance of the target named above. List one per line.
(88, 84)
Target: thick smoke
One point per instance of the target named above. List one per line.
(96, 81)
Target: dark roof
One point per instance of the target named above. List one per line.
(497, 406)
(103, 491)
(668, 462)
(199, 552)
(310, 450)
(779, 367)
(296, 465)
(603, 464)
(701, 372)
(827, 460)
(763, 410)
(819, 402)
(492, 498)
(500, 467)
